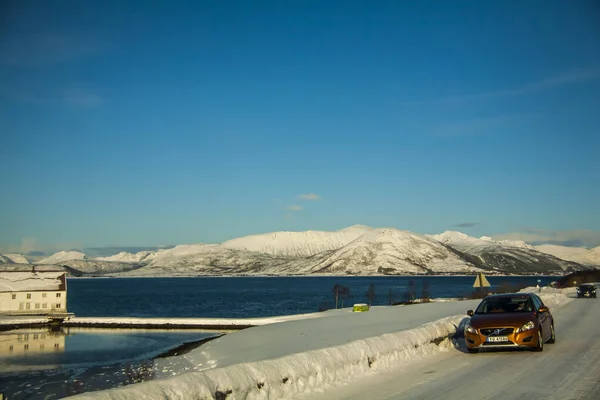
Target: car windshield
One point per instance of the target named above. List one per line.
(504, 305)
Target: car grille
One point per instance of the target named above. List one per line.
(492, 331)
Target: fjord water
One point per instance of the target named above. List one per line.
(245, 297)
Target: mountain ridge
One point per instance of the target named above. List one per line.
(355, 250)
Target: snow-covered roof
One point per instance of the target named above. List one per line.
(19, 281)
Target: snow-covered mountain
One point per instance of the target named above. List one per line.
(461, 239)
(393, 251)
(357, 250)
(13, 258)
(579, 255)
(97, 267)
(211, 259)
(510, 243)
(514, 257)
(376, 252)
(297, 244)
(140, 257)
(62, 256)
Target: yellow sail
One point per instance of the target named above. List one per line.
(481, 281)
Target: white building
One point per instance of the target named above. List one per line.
(32, 290)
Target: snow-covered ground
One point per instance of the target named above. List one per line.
(284, 360)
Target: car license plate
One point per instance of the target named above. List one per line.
(497, 339)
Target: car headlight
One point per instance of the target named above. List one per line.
(526, 327)
(469, 328)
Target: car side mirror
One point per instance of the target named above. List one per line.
(470, 313)
(544, 309)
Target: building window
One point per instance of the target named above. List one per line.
(26, 337)
(56, 346)
(37, 305)
(26, 347)
(35, 336)
(11, 348)
(58, 305)
(21, 305)
(45, 305)
(44, 295)
(28, 295)
(27, 306)
(14, 296)
(58, 294)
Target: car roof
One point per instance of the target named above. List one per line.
(505, 295)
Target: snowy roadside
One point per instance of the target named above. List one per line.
(274, 367)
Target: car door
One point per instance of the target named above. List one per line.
(543, 317)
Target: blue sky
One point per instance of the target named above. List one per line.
(144, 124)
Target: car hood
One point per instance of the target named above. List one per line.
(499, 319)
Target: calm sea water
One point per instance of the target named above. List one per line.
(240, 297)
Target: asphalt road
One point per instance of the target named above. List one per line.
(568, 369)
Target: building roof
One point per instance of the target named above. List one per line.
(18, 281)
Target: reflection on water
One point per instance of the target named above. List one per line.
(70, 347)
(54, 363)
(30, 341)
(29, 345)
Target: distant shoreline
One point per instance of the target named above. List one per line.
(311, 276)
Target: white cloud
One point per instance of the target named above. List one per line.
(309, 197)
(578, 237)
(295, 207)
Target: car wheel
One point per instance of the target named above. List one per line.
(472, 351)
(540, 342)
(552, 335)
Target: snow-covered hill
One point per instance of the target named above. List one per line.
(577, 254)
(393, 251)
(513, 258)
(297, 244)
(14, 258)
(211, 259)
(97, 267)
(62, 256)
(461, 239)
(140, 257)
(510, 243)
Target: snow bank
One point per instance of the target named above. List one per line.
(295, 373)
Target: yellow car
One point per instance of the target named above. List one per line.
(510, 320)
